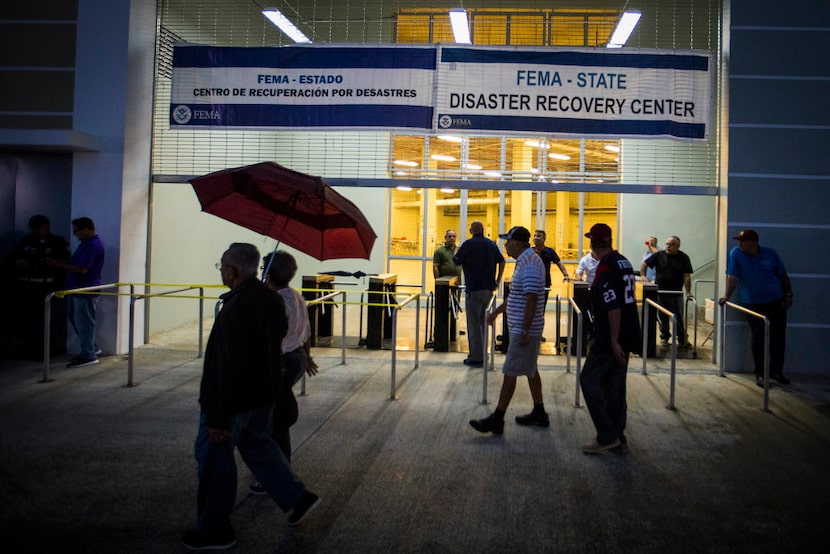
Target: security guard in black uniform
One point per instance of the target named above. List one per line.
(34, 278)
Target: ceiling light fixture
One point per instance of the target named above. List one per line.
(612, 147)
(474, 167)
(406, 163)
(277, 18)
(536, 144)
(625, 26)
(404, 188)
(442, 158)
(447, 191)
(449, 138)
(460, 28)
(492, 173)
(555, 156)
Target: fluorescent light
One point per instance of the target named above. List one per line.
(612, 147)
(275, 16)
(460, 28)
(474, 167)
(404, 188)
(555, 156)
(449, 138)
(625, 26)
(442, 158)
(401, 173)
(492, 173)
(536, 144)
(405, 163)
(447, 191)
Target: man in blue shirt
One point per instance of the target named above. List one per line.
(479, 257)
(765, 288)
(84, 270)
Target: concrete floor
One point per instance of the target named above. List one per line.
(88, 464)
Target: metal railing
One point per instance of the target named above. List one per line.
(695, 283)
(489, 348)
(134, 297)
(675, 321)
(397, 307)
(572, 307)
(722, 342)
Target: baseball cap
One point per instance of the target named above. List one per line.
(518, 233)
(599, 231)
(746, 234)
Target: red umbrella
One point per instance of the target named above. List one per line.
(299, 210)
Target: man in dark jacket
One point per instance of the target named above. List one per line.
(240, 383)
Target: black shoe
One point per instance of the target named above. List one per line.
(488, 425)
(759, 380)
(198, 540)
(781, 379)
(307, 503)
(257, 488)
(473, 363)
(539, 419)
(620, 450)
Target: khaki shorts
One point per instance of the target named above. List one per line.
(521, 360)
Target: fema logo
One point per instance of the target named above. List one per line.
(445, 121)
(182, 114)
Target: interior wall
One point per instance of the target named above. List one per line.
(188, 242)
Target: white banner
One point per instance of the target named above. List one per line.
(575, 91)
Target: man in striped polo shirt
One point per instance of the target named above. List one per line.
(525, 320)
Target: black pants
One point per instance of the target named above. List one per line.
(603, 385)
(777, 314)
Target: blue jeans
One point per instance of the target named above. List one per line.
(603, 385)
(251, 434)
(81, 310)
(673, 303)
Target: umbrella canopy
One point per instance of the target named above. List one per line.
(299, 210)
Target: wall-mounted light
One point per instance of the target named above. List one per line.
(277, 18)
(625, 26)
(460, 27)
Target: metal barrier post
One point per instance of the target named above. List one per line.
(675, 322)
(47, 336)
(131, 341)
(343, 331)
(766, 345)
(489, 348)
(201, 320)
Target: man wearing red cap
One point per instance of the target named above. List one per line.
(615, 334)
(765, 288)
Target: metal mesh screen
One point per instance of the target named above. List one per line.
(682, 24)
